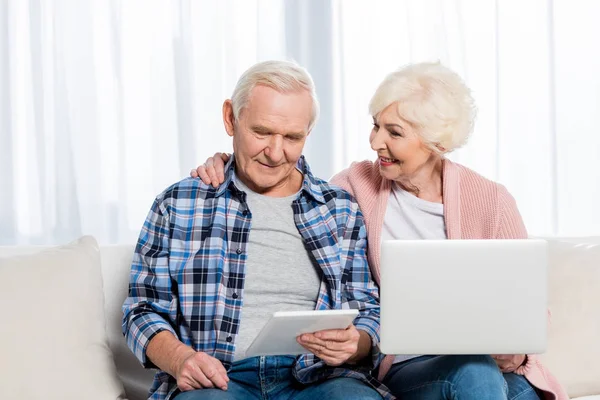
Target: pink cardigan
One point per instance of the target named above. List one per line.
(474, 208)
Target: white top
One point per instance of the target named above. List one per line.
(409, 217)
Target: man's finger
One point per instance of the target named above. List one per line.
(312, 347)
(201, 379)
(330, 357)
(188, 384)
(320, 351)
(336, 335)
(221, 369)
(215, 377)
(330, 349)
(329, 345)
(335, 346)
(309, 338)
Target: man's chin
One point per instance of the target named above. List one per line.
(267, 184)
(261, 184)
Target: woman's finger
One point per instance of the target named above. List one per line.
(203, 175)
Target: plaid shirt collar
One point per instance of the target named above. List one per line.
(310, 186)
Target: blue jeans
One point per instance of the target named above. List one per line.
(267, 378)
(456, 377)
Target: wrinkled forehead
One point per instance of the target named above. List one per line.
(272, 108)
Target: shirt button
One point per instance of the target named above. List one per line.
(229, 339)
(235, 296)
(239, 251)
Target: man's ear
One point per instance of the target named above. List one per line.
(228, 117)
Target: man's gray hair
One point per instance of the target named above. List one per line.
(283, 76)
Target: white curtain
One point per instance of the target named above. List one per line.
(104, 103)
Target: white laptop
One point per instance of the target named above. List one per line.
(463, 296)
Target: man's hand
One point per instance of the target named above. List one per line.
(199, 371)
(337, 346)
(509, 362)
(213, 170)
(191, 369)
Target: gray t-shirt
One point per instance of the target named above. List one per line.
(281, 275)
(409, 217)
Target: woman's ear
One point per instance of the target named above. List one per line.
(440, 148)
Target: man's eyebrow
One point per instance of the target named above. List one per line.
(260, 129)
(300, 133)
(265, 130)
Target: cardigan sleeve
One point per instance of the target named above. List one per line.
(510, 223)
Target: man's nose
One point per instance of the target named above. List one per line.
(274, 150)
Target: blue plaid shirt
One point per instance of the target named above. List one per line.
(187, 275)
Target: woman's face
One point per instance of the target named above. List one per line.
(399, 147)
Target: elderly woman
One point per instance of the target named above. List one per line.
(412, 191)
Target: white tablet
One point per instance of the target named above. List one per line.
(278, 336)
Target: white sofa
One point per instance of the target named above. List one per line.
(574, 336)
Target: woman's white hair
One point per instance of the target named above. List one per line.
(433, 99)
(283, 76)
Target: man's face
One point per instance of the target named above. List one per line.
(268, 139)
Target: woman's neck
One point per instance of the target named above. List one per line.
(426, 182)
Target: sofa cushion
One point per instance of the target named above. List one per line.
(53, 337)
(574, 300)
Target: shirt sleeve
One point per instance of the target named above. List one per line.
(151, 306)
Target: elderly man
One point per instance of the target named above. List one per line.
(212, 264)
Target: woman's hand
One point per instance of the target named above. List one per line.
(213, 170)
(509, 362)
